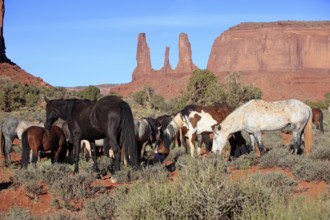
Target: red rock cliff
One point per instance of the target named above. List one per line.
(284, 59)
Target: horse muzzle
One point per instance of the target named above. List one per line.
(47, 125)
(160, 157)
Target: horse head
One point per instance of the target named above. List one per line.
(54, 110)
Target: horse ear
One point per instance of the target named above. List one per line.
(46, 99)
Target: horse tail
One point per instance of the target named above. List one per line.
(321, 121)
(308, 133)
(127, 135)
(26, 150)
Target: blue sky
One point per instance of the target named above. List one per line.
(79, 42)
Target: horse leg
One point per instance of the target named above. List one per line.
(52, 156)
(143, 149)
(296, 136)
(76, 152)
(94, 157)
(257, 137)
(116, 151)
(35, 158)
(8, 144)
(191, 141)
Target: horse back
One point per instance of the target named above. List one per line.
(215, 113)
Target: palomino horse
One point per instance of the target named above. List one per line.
(110, 117)
(194, 120)
(10, 129)
(256, 116)
(37, 139)
(318, 119)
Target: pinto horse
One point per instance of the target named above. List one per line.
(109, 118)
(318, 119)
(195, 121)
(37, 139)
(256, 116)
(13, 128)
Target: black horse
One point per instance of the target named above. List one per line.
(110, 118)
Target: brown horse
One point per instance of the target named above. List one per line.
(37, 139)
(318, 119)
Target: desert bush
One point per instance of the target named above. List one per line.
(310, 170)
(72, 187)
(264, 193)
(200, 192)
(273, 157)
(321, 153)
(317, 104)
(21, 176)
(60, 216)
(34, 188)
(51, 173)
(90, 92)
(289, 160)
(102, 207)
(237, 93)
(277, 182)
(15, 213)
(245, 161)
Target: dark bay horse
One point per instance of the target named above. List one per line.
(318, 119)
(195, 121)
(13, 128)
(37, 139)
(110, 117)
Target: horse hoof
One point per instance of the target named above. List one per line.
(113, 180)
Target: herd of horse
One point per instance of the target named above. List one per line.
(109, 123)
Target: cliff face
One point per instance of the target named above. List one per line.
(185, 65)
(284, 59)
(8, 69)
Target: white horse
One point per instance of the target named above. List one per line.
(256, 116)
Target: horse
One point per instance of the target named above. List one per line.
(13, 128)
(256, 116)
(318, 119)
(194, 120)
(37, 139)
(145, 133)
(108, 118)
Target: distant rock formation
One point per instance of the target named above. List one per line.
(287, 59)
(144, 68)
(143, 60)
(8, 69)
(3, 57)
(167, 66)
(185, 64)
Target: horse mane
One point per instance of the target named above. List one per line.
(188, 109)
(171, 129)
